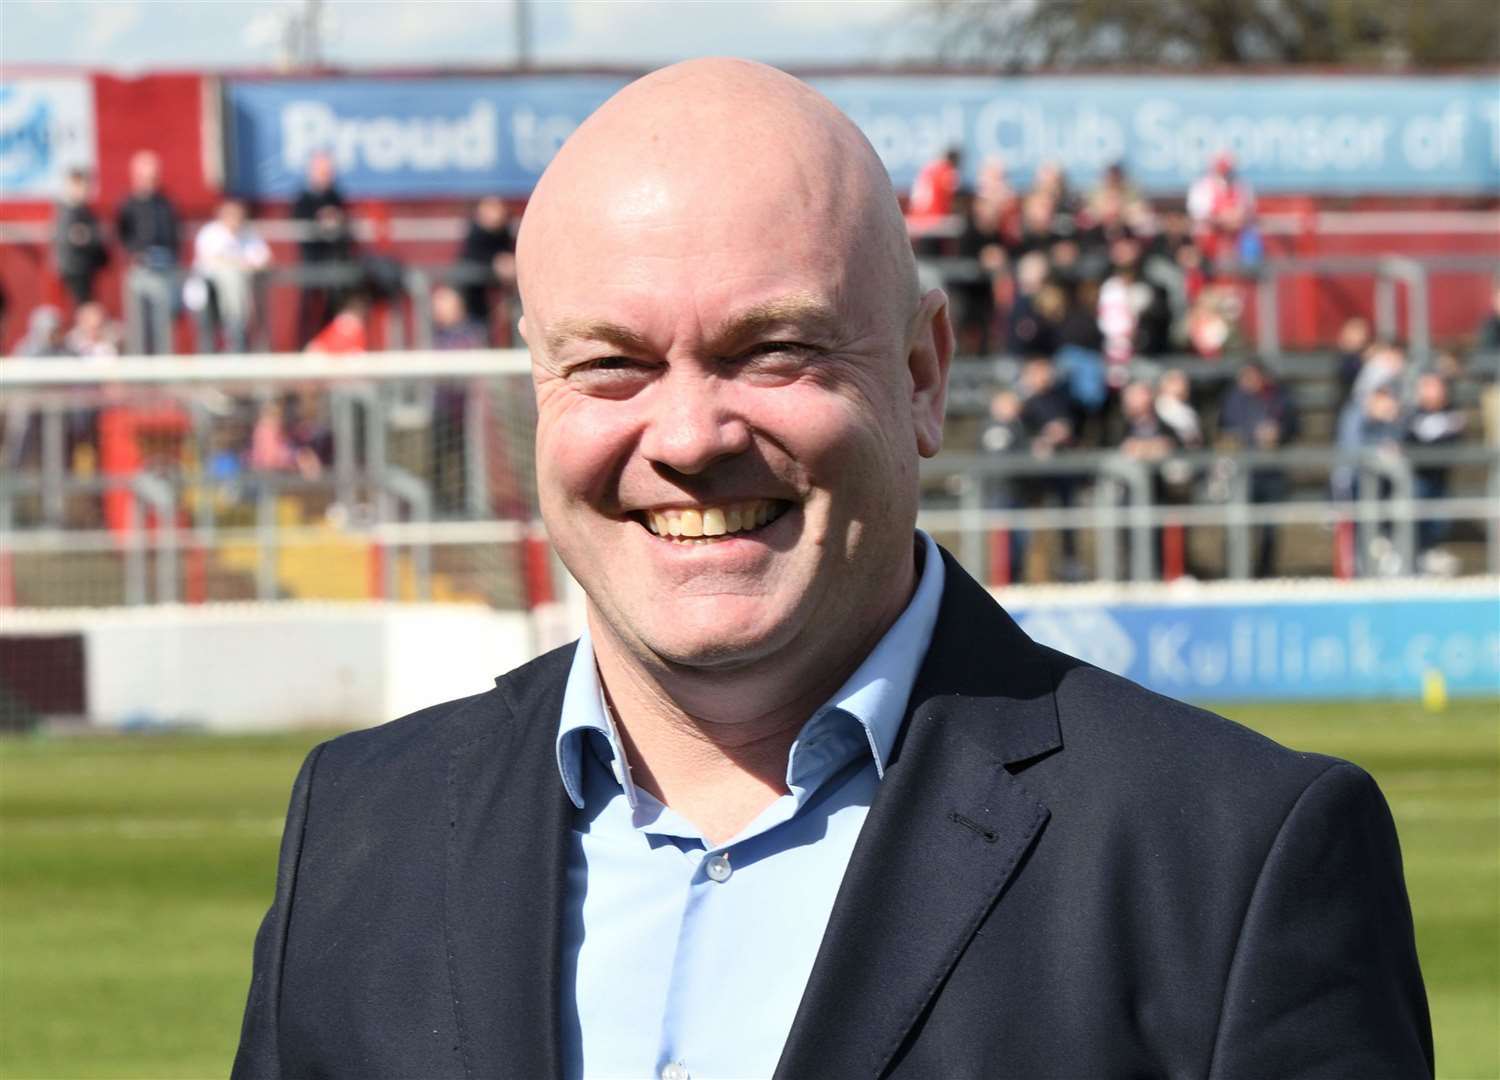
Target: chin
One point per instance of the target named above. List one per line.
(716, 639)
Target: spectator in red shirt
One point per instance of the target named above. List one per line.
(932, 194)
(346, 333)
(1223, 210)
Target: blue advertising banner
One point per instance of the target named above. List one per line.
(1317, 134)
(1304, 649)
(405, 138)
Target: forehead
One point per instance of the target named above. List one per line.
(660, 254)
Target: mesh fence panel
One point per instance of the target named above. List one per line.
(412, 479)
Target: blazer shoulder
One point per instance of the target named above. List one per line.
(1136, 733)
(449, 725)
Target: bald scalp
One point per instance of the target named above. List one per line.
(731, 134)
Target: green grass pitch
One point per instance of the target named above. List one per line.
(134, 871)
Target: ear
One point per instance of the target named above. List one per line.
(521, 329)
(929, 357)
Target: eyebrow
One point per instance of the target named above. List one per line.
(802, 310)
(568, 329)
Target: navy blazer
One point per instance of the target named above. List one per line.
(1062, 875)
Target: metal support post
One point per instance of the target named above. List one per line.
(476, 464)
(1237, 526)
(1106, 557)
(1404, 507)
(54, 465)
(265, 539)
(1267, 315)
(135, 555)
(1385, 306)
(155, 492)
(971, 534)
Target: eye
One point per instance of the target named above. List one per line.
(774, 356)
(610, 376)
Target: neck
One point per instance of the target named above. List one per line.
(713, 744)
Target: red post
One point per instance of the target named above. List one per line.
(1343, 550)
(536, 571)
(375, 571)
(195, 575)
(1000, 568)
(7, 580)
(1173, 551)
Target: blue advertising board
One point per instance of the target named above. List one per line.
(1283, 650)
(397, 137)
(403, 138)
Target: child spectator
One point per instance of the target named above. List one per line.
(93, 334)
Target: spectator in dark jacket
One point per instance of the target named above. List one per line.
(1433, 423)
(1488, 338)
(1050, 419)
(327, 241)
(1353, 344)
(489, 253)
(147, 227)
(1258, 415)
(78, 240)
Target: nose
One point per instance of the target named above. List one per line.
(692, 425)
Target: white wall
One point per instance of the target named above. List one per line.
(271, 666)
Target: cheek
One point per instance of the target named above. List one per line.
(581, 446)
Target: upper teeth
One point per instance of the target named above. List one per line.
(711, 520)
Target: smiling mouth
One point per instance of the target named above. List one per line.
(708, 524)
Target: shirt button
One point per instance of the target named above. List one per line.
(718, 868)
(676, 1070)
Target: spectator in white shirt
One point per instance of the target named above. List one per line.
(227, 254)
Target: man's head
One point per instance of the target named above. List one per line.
(90, 319)
(727, 333)
(145, 172)
(76, 187)
(447, 306)
(1432, 392)
(490, 213)
(1137, 401)
(231, 214)
(1174, 385)
(320, 171)
(1354, 335)
(1253, 377)
(1037, 376)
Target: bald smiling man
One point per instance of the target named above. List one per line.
(803, 801)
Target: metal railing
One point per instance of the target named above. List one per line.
(170, 517)
(1122, 504)
(1390, 271)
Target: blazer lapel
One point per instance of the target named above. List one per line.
(947, 831)
(506, 860)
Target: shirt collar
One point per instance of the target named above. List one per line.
(875, 696)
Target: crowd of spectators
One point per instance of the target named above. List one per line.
(1080, 287)
(1100, 272)
(214, 273)
(1105, 302)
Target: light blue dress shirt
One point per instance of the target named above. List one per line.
(687, 961)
